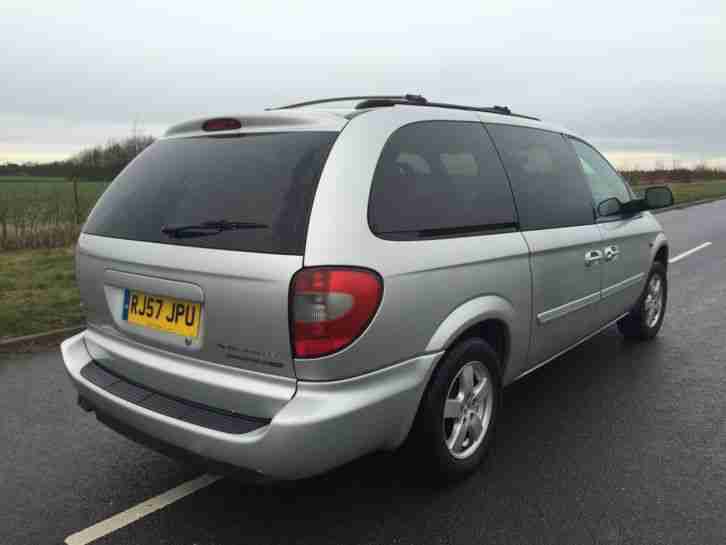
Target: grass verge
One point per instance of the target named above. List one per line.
(695, 191)
(37, 292)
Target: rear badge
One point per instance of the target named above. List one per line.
(188, 341)
(255, 356)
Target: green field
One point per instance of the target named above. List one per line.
(695, 191)
(37, 212)
(38, 290)
(30, 179)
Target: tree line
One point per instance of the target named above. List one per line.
(675, 175)
(104, 162)
(98, 163)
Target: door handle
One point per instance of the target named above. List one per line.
(593, 256)
(611, 253)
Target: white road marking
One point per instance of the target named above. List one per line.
(139, 511)
(689, 252)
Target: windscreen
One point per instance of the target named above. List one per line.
(268, 180)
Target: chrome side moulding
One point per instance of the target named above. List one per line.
(567, 308)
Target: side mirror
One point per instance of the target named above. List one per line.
(658, 197)
(609, 207)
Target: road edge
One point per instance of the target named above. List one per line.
(39, 337)
(688, 205)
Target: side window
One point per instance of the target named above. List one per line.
(439, 178)
(604, 181)
(547, 181)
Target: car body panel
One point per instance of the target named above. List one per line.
(323, 425)
(478, 310)
(224, 387)
(432, 277)
(272, 121)
(326, 411)
(660, 240)
(566, 291)
(626, 262)
(243, 296)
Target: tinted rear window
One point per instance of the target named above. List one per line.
(549, 187)
(261, 178)
(440, 178)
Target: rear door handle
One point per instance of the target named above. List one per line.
(611, 253)
(593, 256)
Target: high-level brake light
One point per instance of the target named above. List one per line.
(221, 124)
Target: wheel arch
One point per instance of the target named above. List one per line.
(660, 250)
(488, 317)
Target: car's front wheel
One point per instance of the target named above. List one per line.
(646, 318)
(458, 412)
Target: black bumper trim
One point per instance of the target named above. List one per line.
(187, 411)
(177, 453)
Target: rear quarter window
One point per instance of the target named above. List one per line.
(267, 179)
(439, 178)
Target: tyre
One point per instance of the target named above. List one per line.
(458, 413)
(646, 318)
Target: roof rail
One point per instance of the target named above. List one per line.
(377, 101)
(502, 110)
(344, 99)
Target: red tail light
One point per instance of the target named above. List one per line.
(331, 307)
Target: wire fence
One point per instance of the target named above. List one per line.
(44, 213)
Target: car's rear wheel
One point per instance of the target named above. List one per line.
(646, 318)
(456, 420)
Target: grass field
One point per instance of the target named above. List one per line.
(695, 191)
(38, 291)
(42, 212)
(30, 179)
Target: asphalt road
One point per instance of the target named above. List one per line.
(613, 443)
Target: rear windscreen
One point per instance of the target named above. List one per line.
(264, 179)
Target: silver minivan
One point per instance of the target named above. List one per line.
(282, 292)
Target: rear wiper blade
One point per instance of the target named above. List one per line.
(206, 228)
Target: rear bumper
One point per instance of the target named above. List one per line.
(324, 425)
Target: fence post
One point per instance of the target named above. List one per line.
(75, 199)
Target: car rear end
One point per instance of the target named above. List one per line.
(191, 270)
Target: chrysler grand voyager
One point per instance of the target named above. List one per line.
(285, 291)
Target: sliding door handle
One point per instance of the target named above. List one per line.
(593, 256)
(611, 252)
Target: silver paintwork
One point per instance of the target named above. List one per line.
(632, 237)
(622, 285)
(566, 289)
(432, 277)
(222, 386)
(567, 308)
(322, 426)
(243, 295)
(273, 121)
(468, 409)
(551, 289)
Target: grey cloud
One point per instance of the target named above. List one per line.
(622, 73)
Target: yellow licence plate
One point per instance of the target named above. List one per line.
(162, 313)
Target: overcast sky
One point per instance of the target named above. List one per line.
(645, 81)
